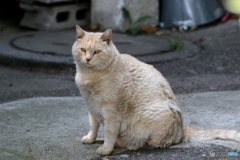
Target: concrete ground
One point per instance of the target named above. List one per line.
(50, 122)
(52, 127)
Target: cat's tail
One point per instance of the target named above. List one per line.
(193, 135)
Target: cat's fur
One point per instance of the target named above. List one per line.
(131, 99)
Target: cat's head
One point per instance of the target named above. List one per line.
(93, 50)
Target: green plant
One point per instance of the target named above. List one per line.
(174, 44)
(133, 29)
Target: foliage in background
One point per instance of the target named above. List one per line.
(174, 44)
(133, 29)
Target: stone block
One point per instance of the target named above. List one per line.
(108, 13)
(54, 16)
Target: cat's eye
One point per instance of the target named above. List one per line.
(83, 50)
(97, 51)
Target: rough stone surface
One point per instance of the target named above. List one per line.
(194, 152)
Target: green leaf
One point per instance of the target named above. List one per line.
(174, 44)
(141, 19)
(127, 14)
(134, 31)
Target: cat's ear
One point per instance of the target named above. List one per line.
(80, 32)
(107, 36)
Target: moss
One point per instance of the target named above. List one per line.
(13, 154)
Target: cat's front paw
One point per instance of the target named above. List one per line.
(87, 140)
(103, 151)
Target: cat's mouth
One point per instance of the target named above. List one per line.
(83, 63)
(88, 64)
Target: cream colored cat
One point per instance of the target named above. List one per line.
(131, 99)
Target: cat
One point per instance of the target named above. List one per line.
(131, 99)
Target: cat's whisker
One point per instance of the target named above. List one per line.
(70, 68)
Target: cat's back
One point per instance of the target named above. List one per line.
(133, 65)
(143, 78)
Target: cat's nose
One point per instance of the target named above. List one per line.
(88, 59)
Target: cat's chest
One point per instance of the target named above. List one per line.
(95, 107)
(93, 101)
(95, 88)
(98, 93)
(94, 95)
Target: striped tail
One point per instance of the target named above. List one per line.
(193, 135)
